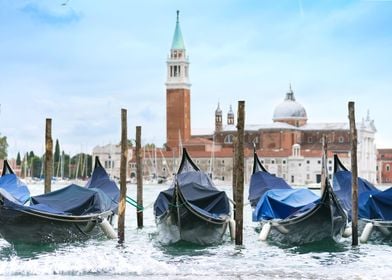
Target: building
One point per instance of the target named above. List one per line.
(384, 165)
(289, 147)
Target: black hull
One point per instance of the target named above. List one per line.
(34, 228)
(190, 229)
(326, 220)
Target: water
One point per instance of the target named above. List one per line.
(143, 257)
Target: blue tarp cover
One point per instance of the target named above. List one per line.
(342, 188)
(283, 203)
(100, 194)
(376, 205)
(261, 182)
(199, 191)
(15, 187)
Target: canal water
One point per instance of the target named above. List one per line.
(144, 257)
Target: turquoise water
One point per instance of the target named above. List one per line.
(143, 257)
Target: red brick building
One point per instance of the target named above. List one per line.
(384, 160)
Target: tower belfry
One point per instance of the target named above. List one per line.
(178, 119)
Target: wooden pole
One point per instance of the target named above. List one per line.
(354, 174)
(240, 174)
(324, 172)
(139, 177)
(123, 177)
(48, 156)
(234, 180)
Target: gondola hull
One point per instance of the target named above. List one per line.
(19, 226)
(181, 224)
(326, 221)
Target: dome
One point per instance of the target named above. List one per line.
(289, 109)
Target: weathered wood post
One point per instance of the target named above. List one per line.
(240, 174)
(324, 168)
(139, 178)
(354, 174)
(123, 177)
(48, 156)
(234, 180)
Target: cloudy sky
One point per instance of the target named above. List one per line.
(80, 61)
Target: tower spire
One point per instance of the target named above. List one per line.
(178, 41)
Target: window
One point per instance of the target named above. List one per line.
(299, 164)
(296, 150)
(229, 139)
(272, 161)
(307, 176)
(284, 162)
(223, 161)
(292, 178)
(388, 168)
(341, 139)
(310, 140)
(308, 162)
(319, 162)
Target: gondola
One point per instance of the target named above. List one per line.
(65, 215)
(374, 205)
(192, 209)
(293, 216)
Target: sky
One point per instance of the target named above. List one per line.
(79, 62)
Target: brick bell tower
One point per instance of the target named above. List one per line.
(178, 106)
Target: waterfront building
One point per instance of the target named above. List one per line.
(289, 146)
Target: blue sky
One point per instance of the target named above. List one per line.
(80, 63)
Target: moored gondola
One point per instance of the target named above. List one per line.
(294, 216)
(68, 214)
(192, 209)
(374, 205)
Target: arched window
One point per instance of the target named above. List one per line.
(296, 150)
(229, 139)
(388, 167)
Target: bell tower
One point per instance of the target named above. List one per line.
(178, 107)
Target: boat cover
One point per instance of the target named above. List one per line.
(99, 195)
(284, 203)
(342, 182)
(12, 185)
(261, 182)
(199, 191)
(376, 205)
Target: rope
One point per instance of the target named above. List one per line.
(134, 203)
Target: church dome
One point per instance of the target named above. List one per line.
(289, 109)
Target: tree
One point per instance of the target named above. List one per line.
(3, 147)
(56, 156)
(18, 160)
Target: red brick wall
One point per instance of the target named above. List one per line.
(178, 116)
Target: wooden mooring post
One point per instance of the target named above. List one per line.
(324, 168)
(48, 156)
(239, 202)
(354, 174)
(139, 178)
(123, 177)
(234, 179)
